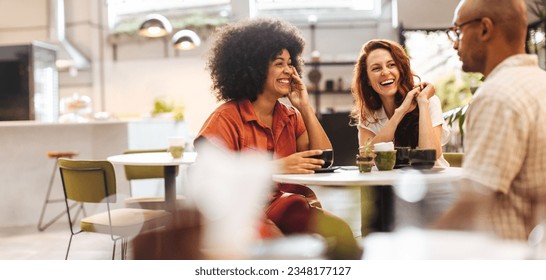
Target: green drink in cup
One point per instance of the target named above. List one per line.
(385, 156)
(176, 146)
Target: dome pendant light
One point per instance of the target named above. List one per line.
(154, 26)
(186, 40)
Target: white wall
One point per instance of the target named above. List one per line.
(131, 87)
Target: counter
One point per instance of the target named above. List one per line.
(25, 168)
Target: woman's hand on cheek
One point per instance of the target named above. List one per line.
(298, 95)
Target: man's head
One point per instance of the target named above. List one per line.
(485, 32)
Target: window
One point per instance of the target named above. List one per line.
(126, 15)
(325, 10)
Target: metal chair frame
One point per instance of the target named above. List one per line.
(124, 244)
(47, 201)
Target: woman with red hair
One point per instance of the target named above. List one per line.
(390, 106)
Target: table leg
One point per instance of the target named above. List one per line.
(170, 188)
(377, 209)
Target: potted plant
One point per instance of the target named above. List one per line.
(365, 157)
(164, 107)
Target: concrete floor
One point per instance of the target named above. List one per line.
(27, 243)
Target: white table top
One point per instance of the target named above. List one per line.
(162, 159)
(343, 177)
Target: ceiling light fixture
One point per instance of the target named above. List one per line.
(186, 40)
(154, 26)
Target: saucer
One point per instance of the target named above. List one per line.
(399, 166)
(420, 165)
(433, 169)
(327, 170)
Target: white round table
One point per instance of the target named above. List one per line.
(380, 180)
(343, 177)
(159, 159)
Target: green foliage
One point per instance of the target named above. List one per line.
(165, 105)
(131, 24)
(162, 106)
(178, 113)
(366, 150)
(455, 94)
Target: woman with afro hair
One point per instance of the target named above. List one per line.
(254, 63)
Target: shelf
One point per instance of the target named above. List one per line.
(339, 63)
(330, 92)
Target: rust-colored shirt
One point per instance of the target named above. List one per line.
(235, 125)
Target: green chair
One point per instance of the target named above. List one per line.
(94, 181)
(454, 159)
(140, 172)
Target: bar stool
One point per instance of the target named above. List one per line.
(56, 156)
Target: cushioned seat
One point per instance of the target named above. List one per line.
(125, 221)
(94, 181)
(151, 202)
(454, 159)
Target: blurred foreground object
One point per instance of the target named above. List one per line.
(230, 190)
(181, 239)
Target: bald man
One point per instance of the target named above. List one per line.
(505, 137)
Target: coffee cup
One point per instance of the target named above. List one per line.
(385, 155)
(176, 146)
(385, 160)
(402, 156)
(422, 158)
(328, 157)
(383, 146)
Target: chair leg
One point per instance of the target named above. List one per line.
(114, 250)
(68, 249)
(41, 226)
(124, 248)
(47, 201)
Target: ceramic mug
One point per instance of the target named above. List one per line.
(402, 157)
(328, 157)
(422, 158)
(385, 160)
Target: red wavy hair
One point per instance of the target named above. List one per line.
(366, 98)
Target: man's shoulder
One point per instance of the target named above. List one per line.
(513, 83)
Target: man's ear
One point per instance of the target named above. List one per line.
(488, 27)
